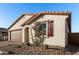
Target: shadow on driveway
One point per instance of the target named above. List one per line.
(72, 48)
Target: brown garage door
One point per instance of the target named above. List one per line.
(16, 35)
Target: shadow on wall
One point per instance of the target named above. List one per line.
(73, 39)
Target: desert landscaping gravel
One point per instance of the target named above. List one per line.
(23, 49)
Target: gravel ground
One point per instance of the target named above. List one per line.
(23, 49)
(15, 48)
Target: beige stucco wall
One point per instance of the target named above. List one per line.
(59, 38)
(60, 29)
(20, 22)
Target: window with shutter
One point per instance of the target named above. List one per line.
(50, 28)
(41, 28)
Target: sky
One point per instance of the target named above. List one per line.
(10, 12)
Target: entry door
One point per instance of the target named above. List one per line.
(27, 34)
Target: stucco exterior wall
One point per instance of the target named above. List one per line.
(20, 22)
(59, 30)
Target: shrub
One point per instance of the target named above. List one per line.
(10, 52)
(9, 44)
(18, 46)
(37, 42)
(46, 46)
(28, 44)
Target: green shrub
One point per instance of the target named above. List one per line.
(18, 46)
(46, 46)
(37, 42)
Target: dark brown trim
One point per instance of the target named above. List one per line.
(34, 17)
(10, 35)
(69, 22)
(28, 14)
(16, 21)
(47, 21)
(16, 30)
(19, 19)
(30, 19)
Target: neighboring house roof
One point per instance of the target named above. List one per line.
(3, 30)
(19, 19)
(35, 16)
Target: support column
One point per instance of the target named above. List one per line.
(9, 36)
(23, 35)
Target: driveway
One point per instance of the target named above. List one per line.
(5, 43)
(73, 48)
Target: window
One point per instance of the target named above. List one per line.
(43, 28)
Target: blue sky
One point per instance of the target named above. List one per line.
(10, 12)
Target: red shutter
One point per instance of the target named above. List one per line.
(50, 28)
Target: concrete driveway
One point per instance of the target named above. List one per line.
(5, 43)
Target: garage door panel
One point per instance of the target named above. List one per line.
(16, 35)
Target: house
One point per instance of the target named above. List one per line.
(57, 25)
(3, 34)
